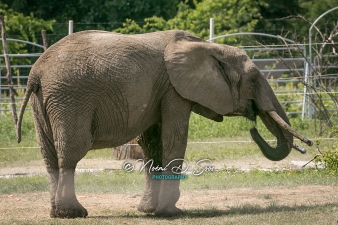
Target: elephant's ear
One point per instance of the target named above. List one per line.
(197, 75)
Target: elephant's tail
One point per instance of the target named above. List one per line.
(31, 86)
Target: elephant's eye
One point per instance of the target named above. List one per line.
(253, 70)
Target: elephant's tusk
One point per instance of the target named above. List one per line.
(287, 127)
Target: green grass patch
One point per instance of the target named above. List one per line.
(106, 153)
(115, 181)
(119, 181)
(7, 131)
(234, 178)
(220, 149)
(19, 157)
(24, 184)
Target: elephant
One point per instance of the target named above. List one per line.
(98, 89)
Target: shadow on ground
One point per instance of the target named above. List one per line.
(247, 209)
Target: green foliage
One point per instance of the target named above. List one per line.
(109, 13)
(129, 27)
(317, 8)
(329, 158)
(230, 16)
(273, 11)
(191, 15)
(23, 27)
(155, 24)
(181, 21)
(150, 25)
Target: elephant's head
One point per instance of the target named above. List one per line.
(223, 81)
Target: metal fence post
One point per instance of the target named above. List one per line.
(70, 27)
(212, 29)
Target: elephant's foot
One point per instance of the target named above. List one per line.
(147, 206)
(53, 212)
(69, 212)
(168, 211)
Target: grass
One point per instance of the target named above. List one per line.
(120, 181)
(220, 150)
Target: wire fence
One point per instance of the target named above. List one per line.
(284, 76)
(189, 143)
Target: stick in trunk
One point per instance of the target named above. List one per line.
(284, 125)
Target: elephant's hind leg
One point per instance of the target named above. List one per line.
(51, 161)
(150, 141)
(71, 145)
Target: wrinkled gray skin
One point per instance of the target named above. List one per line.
(98, 89)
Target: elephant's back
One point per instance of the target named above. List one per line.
(104, 61)
(94, 41)
(91, 52)
(92, 63)
(83, 44)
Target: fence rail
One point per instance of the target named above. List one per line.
(270, 67)
(21, 69)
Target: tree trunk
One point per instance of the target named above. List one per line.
(130, 150)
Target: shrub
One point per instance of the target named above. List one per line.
(330, 157)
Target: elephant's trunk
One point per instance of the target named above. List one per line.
(275, 120)
(283, 131)
(275, 154)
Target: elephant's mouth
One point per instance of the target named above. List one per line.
(247, 110)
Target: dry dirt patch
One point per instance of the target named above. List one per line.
(36, 205)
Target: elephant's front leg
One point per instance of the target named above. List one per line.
(149, 201)
(151, 143)
(175, 122)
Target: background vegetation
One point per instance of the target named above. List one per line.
(140, 16)
(25, 20)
